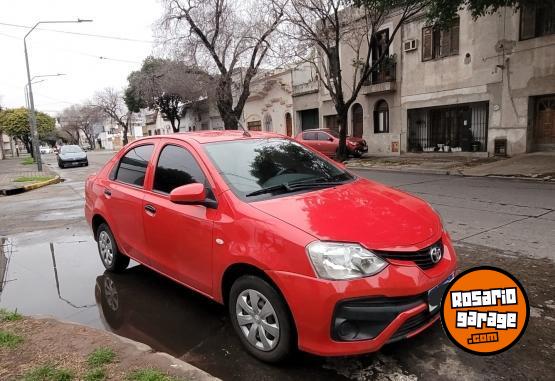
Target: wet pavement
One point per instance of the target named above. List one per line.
(53, 269)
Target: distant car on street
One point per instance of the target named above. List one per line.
(327, 142)
(45, 150)
(72, 156)
(303, 253)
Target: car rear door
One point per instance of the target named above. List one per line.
(179, 237)
(311, 139)
(123, 193)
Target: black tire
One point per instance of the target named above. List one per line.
(286, 340)
(357, 154)
(61, 165)
(106, 241)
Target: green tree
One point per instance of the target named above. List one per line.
(15, 123)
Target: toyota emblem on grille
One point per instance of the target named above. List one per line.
(435, 254)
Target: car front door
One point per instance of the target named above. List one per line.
(326, 144)
(123, 193)
(179, 236)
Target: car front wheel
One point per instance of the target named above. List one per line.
(111, 257)
(261, 319)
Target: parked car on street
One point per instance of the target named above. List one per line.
(72, 156)
(303, 253)
(327, 142)
(45, 150)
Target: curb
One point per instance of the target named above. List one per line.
(449, 172)
(9, 191)
(194, 373)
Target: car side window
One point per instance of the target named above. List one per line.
(132, 166)
(309, 136)
(176, 167)
(323, 136)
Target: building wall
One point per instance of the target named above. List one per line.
(492, 65)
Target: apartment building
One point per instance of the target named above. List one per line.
(482, 86)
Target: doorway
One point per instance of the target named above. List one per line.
(288, 124)
(358, 116)
(544, 124)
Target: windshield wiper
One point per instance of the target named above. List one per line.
(294, 186)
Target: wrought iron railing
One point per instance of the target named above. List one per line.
(384, 72)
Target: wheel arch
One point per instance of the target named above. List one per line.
(96, 221)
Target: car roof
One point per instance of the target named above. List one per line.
(317, 129)
(212, 136)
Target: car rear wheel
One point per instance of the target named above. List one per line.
(61, 165)
(111, 257)
(261, 319)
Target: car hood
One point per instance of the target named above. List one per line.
(73, 155)
(365, 212)
(354, 139)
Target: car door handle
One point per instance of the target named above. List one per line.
(107, 192)
(150, 209)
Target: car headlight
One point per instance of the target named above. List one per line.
(335, 260)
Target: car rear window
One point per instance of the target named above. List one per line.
(132, 166)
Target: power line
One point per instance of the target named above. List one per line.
(80, 34)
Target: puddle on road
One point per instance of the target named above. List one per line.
(65, 279)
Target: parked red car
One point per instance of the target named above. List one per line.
(304, 253)
(327, 142)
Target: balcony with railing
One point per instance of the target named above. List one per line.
(305, 88)
(382, 78)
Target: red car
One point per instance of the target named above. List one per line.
(304, 253)
(327, 142)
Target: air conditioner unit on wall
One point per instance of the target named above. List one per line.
(409, 45)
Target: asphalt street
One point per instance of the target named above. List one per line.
(54, 269)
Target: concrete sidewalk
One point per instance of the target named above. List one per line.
(13, 168)
(537, 165)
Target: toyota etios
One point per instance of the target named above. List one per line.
(303, 253)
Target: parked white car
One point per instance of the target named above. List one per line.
(46, 149)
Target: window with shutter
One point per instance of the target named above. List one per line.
(455, 39)
(445, 43)
(427, 43)
(527, 22)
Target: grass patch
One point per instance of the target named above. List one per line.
(24, 179)
(101, 356)
(6, 315)
(48, 372)
(9, 340)
(96, 374)
(28, 161)
(150, 375)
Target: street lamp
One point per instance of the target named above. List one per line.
(33, 82)
(34, 132)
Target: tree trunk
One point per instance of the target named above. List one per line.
(343, 153)
(125, 140)
(175, 128)
(224, 102)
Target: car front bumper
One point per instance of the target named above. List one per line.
(387, 307)
(74, 162)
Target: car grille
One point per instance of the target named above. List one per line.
(412, 324)
(421, 257)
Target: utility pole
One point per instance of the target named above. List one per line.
(33, 117)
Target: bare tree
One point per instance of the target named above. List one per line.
(232, 38)
(168, 86)
(111, 103)
(320, 28)
(81, 118)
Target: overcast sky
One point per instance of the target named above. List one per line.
(75, 55)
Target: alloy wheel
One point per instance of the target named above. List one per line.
(257, 320)
(106, 248)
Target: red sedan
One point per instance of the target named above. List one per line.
(326, 141)
(304, 253)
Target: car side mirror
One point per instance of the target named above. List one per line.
(330, 139)
(194, 193)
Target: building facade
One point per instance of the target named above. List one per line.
(483, 86)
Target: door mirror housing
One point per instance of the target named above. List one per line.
(330, 139)
(194, 193)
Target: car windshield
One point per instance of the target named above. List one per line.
(261, 168)
(71, 149)
(333, 133)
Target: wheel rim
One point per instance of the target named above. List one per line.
(111, 294)
(257, 320)
(106, 248)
